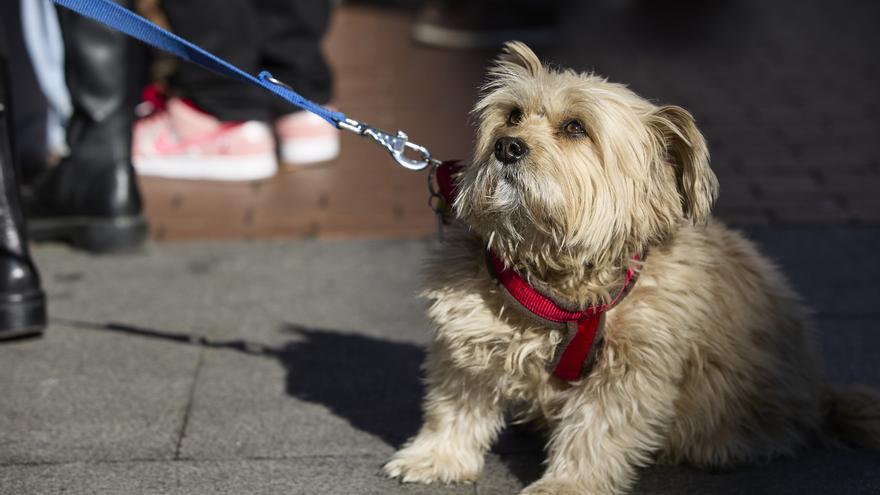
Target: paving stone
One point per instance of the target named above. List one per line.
(855, 187)
(736, 190)
(850, 346)
(508, 474)
(322, 392)
(78, 394)
(816, 471)
(825, 211)
(832, 268)
(313, 475)
(866, 211)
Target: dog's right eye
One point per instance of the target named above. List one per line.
(515, 117)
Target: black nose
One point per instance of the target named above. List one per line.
(509, 150)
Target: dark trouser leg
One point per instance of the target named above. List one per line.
(290, 47)
(22, 303)
(229, 29)
(91, 199)
(281, 36)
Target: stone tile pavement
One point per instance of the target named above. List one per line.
(293, 367)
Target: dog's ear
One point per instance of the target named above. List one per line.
(685, 149)
(516, 53)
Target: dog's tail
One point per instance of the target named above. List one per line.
(854, 416)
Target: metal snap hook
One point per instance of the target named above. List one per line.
(396, 144)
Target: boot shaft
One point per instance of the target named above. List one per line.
(101, 68)
(11, 217)
(97, 180)
(18, 275)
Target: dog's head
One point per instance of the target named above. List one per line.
(569, 163)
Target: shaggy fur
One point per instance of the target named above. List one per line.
(709, 360)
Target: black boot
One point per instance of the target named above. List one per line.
(22, 303)
(91, 199)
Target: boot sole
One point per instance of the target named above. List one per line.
(22, 315)
(119, 235)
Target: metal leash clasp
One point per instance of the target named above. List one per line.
(396, 144)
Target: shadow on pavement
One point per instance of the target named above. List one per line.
(375, 384)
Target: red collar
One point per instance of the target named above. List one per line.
(579, 350)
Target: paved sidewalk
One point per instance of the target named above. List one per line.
(293, 367)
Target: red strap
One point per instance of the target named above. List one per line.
(445, 181)
(530, 298)
(578, 349)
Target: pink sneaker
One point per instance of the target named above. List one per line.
(183, 142)
(306, 138)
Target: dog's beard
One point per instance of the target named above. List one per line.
(488, 190)
(502, 189)
(509, 205)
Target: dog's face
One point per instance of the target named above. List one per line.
(570, 163)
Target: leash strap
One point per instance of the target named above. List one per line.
(123, 20)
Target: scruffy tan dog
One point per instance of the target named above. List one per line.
(708, 360)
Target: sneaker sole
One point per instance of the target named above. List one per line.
(304, 151)
(453, 38)
(223, 168)
(97, 235)
(22, 315)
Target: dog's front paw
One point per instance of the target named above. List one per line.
(417, 464)
(551, 487)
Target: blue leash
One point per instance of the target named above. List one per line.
(126, 21)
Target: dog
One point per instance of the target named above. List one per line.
(576, 186)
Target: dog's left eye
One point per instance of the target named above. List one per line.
(574, 128)
(515, 117)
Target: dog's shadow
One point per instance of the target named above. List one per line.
(375, 384)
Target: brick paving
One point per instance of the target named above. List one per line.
(785, 91)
